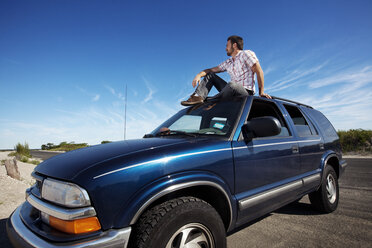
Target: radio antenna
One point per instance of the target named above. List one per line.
(125, 112)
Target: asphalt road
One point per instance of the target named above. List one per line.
(298, 225)
(44, 155)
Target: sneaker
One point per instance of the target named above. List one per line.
(193, 99)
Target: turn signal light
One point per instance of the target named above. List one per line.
(78, 226)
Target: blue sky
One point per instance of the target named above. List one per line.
(64, 64)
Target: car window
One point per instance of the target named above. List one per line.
(262, 108)
(323, 122)
(210, 118)
(187, 123)
(301, 125)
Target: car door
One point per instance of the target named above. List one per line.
(311, 145)
(264, 164)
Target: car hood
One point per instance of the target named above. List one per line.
(68, 165)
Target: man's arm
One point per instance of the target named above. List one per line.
(256, 68)
(203, 73)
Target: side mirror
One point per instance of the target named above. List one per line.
(261, 127)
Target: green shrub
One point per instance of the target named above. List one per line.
(63, 146)
(22, 150)
(24, 159)
(356, 140)
(35, 162)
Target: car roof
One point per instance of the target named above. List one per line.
(290, 101)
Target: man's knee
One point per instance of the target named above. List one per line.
(211, 75)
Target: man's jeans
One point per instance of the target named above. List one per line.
(226, 90)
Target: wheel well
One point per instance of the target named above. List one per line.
(333, 161)
(207, 193)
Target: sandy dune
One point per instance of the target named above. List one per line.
(12, 192)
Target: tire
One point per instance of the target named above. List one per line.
(180, 222)
(325, 199)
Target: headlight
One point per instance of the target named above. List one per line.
(66, 194)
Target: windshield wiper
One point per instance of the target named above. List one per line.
(177, 132)
(170, 132)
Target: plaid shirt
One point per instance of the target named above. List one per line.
(239, 68)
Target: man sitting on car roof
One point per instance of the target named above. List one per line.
(241, 67)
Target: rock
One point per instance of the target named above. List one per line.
(12, 169)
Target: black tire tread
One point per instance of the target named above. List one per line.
(318, 198)
(148, 222)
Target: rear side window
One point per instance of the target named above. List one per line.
(325, 125)
(265, 108)
(302, 126)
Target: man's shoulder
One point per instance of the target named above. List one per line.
(249, 52)
(250, 55)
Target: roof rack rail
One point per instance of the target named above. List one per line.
(286, 100)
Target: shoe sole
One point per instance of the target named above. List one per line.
(190, 103)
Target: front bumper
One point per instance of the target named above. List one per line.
(20, 236)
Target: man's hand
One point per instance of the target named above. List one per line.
(196, 80)
(265, 95)
(204, 73)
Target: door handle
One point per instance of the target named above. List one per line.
(295, 149)
(321, 146)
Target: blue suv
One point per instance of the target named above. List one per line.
(204, 172)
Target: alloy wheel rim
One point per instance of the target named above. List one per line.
(331, 189)
(193, 235)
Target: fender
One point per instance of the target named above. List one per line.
(326, 156)
(170, 184)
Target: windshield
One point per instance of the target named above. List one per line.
(213, 119)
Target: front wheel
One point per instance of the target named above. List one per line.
(178, 223)
(325, 199)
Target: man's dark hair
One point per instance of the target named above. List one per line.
(236, 39)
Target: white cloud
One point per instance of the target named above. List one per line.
(345, 98)
(94, 97)
(150, 89)
(360, 77)
(292, 79)
(118, 95)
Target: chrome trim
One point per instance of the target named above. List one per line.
(312, 178)
(174, 188)
(278, 143)
(111, 238)
(59, 212)
(256, 199)
(162, 160)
